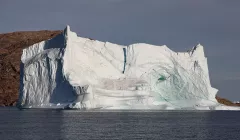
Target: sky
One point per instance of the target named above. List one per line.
(178, 24)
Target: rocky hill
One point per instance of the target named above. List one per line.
(11, 45)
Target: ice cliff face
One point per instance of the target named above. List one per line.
(74, 72)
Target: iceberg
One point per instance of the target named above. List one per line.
(72, 72)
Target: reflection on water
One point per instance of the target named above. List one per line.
(69, 124)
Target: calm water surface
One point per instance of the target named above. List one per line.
(165, 125)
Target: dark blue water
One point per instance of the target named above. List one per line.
(165, 125)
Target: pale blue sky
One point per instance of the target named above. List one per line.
(179, 24)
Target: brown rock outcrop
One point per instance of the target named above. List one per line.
(226, 102)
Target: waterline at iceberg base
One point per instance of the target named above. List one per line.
(72, 72)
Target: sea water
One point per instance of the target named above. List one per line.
(34, 124)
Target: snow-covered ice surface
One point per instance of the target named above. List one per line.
(68, 71)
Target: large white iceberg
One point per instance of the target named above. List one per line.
(68, 71)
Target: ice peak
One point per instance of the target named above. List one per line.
(66, 30)
(199, 46)
(197, 51)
